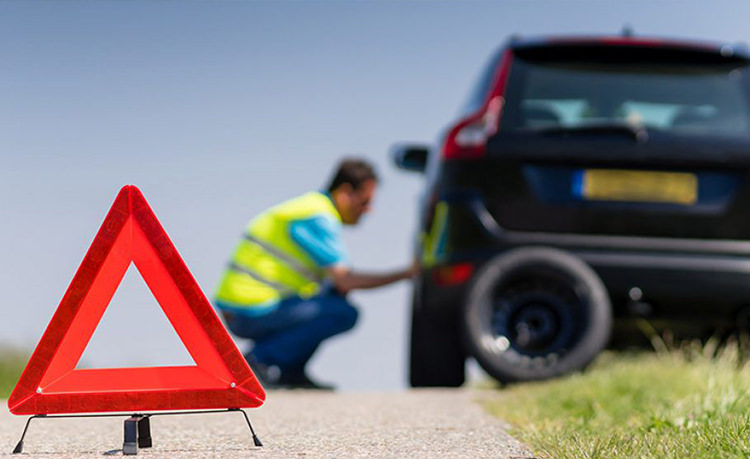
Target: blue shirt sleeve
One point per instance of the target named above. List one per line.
(320, 237)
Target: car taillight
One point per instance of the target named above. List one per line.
(452, 274)
(468, 138)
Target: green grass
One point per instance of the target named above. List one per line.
(12, 363)
(688, 403)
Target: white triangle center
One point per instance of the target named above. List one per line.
(134, 331)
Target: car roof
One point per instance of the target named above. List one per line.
(735, 50)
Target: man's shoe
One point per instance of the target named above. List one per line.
(271, 377)
(302, 381)
(267, 375)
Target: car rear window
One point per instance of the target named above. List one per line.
(696, 93)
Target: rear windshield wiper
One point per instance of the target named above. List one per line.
(637, 131)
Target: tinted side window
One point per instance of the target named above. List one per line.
(478, 94)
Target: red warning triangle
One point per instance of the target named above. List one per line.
(220, 377)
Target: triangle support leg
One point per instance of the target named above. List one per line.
(19, 446)
(137, 428)
(130, 441)
(256, 440)
(144, 432)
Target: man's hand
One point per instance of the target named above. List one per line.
(345, 279)
(414, 269)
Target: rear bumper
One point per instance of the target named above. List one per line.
(493, 231)
(704, 282)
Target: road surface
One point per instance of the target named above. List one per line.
(305, 424)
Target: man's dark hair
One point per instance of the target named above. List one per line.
(353, 171)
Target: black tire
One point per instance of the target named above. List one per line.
(536, 313)
(437, 357)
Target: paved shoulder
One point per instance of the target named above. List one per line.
(417, 423)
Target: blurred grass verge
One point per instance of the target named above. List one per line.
(690, 400)
(12, 363)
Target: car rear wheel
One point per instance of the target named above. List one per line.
(536, 313)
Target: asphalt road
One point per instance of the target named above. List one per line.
(417, 423)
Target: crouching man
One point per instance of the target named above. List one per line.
(285, 286)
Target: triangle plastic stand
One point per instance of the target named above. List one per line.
(220, 377)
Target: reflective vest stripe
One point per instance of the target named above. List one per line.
(283, 289)
(284, 258)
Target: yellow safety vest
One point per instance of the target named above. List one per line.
(267, 264)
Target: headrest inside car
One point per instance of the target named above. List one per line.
(540, 117)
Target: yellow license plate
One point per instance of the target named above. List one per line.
(639, 186)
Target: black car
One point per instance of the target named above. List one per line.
(591, 187)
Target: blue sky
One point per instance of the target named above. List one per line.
(217, 110)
